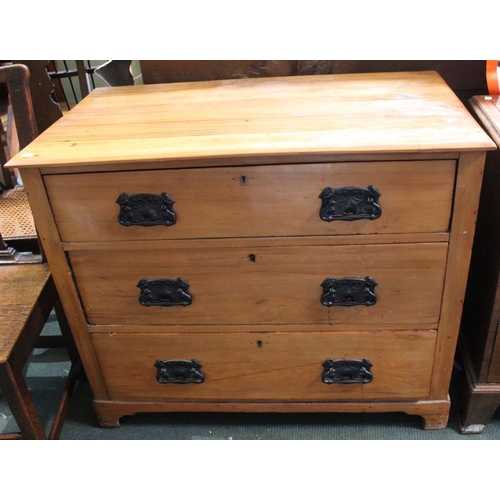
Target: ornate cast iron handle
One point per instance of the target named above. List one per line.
(350, 203)
(145, 209)
(346, 371)
(164, 292)
(179, 371)
(348, 292)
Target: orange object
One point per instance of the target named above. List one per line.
(492, 77)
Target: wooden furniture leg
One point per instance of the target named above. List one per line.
(481, 406)
(21, 405)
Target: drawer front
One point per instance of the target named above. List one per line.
(279, 366)
(280, 200)
(388, 285)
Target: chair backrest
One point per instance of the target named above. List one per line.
(43, 93)
(16, 76)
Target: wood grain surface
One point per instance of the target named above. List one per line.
(283, 366)
(280, 286)
(407, 112)
(273, 200)
(20, 288)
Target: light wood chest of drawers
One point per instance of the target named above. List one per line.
(289, 244)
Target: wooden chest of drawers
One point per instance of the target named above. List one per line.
(287, 244)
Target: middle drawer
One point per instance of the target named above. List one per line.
(341, 286)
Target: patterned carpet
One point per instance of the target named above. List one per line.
(48, 368)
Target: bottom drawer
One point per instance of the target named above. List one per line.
(267, 366)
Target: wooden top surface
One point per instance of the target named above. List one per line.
(488, 111)
(409, 112)
(20, 287)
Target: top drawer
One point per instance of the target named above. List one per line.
(258, 201)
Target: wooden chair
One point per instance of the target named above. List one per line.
(16, 220)
(27, 297)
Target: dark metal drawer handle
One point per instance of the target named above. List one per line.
(348, 292)
(346, 371)
(179, 371)
(164, 292)
(145, 209)
(350, 203)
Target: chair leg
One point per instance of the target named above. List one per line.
(62, 410)
(21, 404)
(76, 371)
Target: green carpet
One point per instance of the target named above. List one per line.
(48, 368)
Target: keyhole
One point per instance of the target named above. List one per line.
(251, 257)
(259, 343)
(243, 180)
